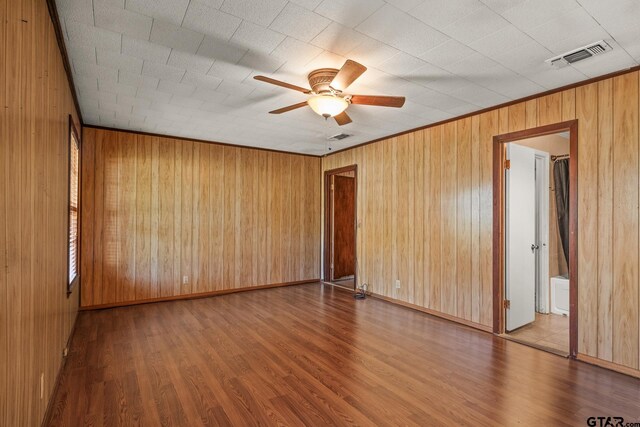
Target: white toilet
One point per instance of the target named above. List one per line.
(560, 295)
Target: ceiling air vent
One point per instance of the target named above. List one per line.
(579, 54)
(339, 137)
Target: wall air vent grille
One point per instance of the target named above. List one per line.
(579, 54)
(339, 137)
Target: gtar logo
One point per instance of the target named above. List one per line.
(605, 422)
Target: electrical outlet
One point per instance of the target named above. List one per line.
(185, 280)
(397, 284)
(42, 385)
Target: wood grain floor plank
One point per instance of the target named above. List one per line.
(312, 355)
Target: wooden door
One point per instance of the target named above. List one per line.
(344, 217)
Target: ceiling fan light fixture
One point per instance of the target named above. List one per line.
(327, 105)
(327, 98)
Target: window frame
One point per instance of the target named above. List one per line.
(73, 134)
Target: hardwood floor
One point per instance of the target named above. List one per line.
(312, 355)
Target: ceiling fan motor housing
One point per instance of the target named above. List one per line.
(320, 79)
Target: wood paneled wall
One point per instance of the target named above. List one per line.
(36, 316)
(425, 212)
(155, 210)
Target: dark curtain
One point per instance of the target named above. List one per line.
(561, 180)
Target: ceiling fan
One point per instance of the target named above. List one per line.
(328, 99)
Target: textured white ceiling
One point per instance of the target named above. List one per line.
(186, 67)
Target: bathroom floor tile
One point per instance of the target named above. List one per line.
(548, 330)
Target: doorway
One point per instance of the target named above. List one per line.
(340, 226)
(535, 247)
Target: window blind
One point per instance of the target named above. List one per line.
(74, 185)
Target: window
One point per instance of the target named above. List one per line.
(74, 217)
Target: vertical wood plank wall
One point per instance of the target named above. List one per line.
(158, 209)
(425, 212)
(36, 317)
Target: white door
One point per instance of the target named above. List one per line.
(542, 232)
(520, 231)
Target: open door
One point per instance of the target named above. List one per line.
(340, 213)
(520, 236)
(514, 233)
(344, 218)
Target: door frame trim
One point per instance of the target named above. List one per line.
(499, 142)
(328, 204)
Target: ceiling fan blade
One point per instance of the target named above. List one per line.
(378, 101)
(349, 72)
(342, 118)
(289, 108)
(282, 84)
